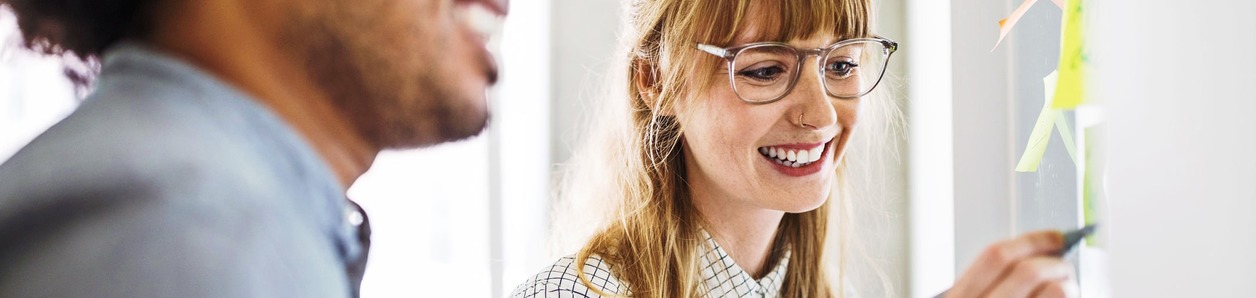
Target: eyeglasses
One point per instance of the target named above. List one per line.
(765, 72)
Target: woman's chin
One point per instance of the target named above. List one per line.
(797, 198)
(800, 204)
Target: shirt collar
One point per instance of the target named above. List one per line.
(724, 278)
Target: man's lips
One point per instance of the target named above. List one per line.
(478, 21)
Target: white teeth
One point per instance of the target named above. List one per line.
(480, 19)
(793, 158)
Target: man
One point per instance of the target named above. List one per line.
(213, 156)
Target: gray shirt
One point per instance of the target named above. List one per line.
(168, 182)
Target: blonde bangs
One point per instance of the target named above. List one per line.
(718, 22)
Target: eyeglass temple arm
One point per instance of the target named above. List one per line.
(713, 50)
(890, 44)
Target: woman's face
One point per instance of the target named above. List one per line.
(730, 144)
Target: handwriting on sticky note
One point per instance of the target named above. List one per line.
(1070, 91)
(1041, 135)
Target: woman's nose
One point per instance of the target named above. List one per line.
(811, 103)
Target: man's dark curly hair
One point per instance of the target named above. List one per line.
(84, 28)
(80, 30)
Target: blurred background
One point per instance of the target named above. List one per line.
(1172, 82)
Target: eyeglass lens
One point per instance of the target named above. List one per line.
(767, 72)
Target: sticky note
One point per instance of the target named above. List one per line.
(1041, 134)
(1066, 134)
(1092, 178)
(1006, 24)
(1070, 90)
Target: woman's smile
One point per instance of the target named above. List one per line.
(799, 159)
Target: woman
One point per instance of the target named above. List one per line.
(727, 152)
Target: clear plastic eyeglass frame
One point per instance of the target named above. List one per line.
(730, 55)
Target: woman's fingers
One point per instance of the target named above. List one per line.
(998, 260)
(1040, 275)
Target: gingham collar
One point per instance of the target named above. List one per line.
(724, 278)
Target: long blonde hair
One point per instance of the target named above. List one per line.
(634, 153)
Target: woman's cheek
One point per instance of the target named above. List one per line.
(847, 112)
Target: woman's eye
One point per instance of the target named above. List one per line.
(841, 68)
(763, 73)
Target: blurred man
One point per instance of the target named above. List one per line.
(213, 156)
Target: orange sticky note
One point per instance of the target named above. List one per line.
(1006, 24)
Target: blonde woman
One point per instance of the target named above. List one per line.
(727, 153)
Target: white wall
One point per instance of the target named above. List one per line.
(519, 150)
(927, 51)
(883, 224)
(585, 39)
(1177, 80)
(34, 92)
(982, 127)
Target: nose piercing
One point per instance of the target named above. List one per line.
(800, 123)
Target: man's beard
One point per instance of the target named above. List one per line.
(392, 102)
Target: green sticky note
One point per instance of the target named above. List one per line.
(1070, 90)
(1066, 134)
(1092, 178)
(1041, 135)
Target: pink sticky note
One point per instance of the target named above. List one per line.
(1006, 25)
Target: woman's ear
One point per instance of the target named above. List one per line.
(645, 80)
(647, 83)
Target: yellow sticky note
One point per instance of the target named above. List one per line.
(1041, 135)
(1070, 91)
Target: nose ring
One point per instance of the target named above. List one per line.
(800, 123)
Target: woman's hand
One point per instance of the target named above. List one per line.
(1026, 266)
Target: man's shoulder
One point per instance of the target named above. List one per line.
(164, 204)
(108, 155)
(124, 151)
(140, 135)
(167, 183)
(87, 155)
(562, 279)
